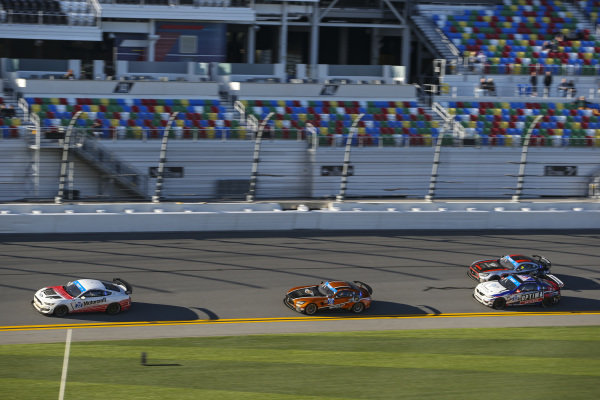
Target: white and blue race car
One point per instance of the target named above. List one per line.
(517, 290)
(84, 295)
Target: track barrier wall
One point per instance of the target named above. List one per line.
(188, 217)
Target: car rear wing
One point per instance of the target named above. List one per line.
(364, 285)
(124, 284)
(555, 280)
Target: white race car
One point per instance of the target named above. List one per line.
(83, 295)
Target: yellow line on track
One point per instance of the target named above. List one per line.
(288, 319)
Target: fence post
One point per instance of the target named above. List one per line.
(521, 176)
(435, 167)
(163, 159)
(344, 183)
(254, 174)
(65, 159)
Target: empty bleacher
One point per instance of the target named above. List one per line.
(513, 37)
(138, 118)
(505, 123)
(381, 124)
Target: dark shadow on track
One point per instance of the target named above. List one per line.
(377, 308)
(566, 304)
(578, 283)
(137, 313)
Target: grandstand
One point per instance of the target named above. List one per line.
(395, 75)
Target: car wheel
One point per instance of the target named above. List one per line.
(358, 307)
(61, 311)
(550, 301)
(113, 308)
(310, 309)
(499, 303)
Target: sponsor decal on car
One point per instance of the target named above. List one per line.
(90, 302)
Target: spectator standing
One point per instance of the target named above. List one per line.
(533, 80)
(69, 74)
(491, 87)
(563, 87)
(572, 90)
(483, 88)
(547, 83)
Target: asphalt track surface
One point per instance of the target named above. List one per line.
(199, 284)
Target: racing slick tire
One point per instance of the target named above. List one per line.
(499, 303)
(550, 301)
(357, 308)
(113, 308)
(310, 309)
(61, 311)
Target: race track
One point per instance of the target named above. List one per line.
(220, 284)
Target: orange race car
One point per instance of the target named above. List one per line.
(331, 295)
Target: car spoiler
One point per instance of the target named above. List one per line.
(364, 285)
(555, 280)
(121, 282)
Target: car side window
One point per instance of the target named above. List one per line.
(529, 287)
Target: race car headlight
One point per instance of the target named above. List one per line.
(300, 303)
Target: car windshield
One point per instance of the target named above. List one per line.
(72, 289)
(325, 289)
(509, 282)
(507, 262)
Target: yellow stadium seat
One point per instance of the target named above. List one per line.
(94, 108)
(159, 109)
(184, 102)
(54, 101)
(114, 122)
(104, 101)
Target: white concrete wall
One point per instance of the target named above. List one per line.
(89, 218)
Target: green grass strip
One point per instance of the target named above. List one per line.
(551, 363)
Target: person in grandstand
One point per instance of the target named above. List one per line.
(491, 87)
(547, 83)
(572, 90)
(533, 80)
(69, 74)
(563, 87)
(483, 87)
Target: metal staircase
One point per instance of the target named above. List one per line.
(583, 20)
(91, 151)
(435, 37)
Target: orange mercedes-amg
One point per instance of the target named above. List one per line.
(331, 295)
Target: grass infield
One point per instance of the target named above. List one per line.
(499, 363)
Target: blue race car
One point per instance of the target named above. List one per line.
(517, 290)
